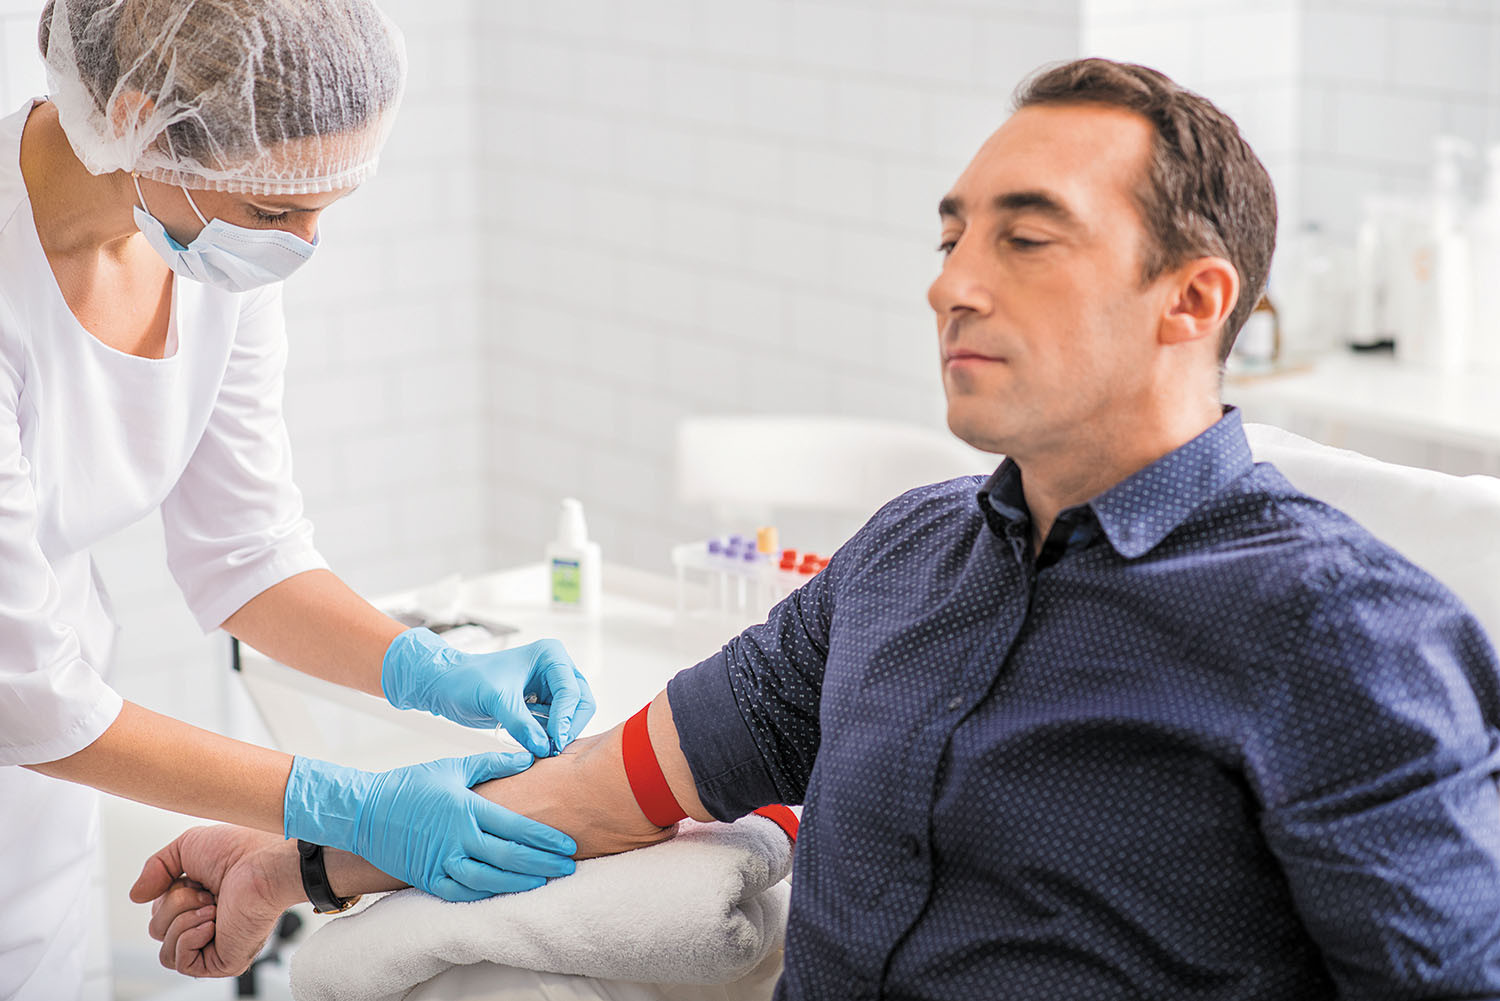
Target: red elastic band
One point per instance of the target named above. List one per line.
(643, 771)
(783, 817)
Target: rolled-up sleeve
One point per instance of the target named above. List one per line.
(234, 521)
(1376, 756)
(52, 702)
(747, 717)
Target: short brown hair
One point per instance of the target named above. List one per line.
(1205, 191)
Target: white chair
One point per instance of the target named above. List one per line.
(751, 470)
(1447, 525)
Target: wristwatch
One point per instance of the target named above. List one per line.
(315, 881)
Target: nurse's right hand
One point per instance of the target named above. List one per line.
(423, 824)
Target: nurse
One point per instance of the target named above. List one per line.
(149, 208)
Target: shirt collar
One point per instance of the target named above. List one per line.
(1144, 508)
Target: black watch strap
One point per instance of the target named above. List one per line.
(315, 881)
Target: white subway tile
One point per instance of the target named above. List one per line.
(833, 184)
(929, 46)
(1012, 48)
(744, 309)
(1348, 46)
(696, 91)
(800, 251)
(909, 195)
(621, 216)
(833, 36)
(1171, 46)
(960, 125)
(21, 73)
(649, 422)
(1442, 52)
(879, 116)
(1250, 45)
(435, 392)
(884, 268)
(653, 290)
(701, 231)
(627, 354)
(1385, 127)
(578, 19)
(659, 157)
(618, 81)
(787, 105)
(661, 24)
(538, 69)
(745, 169)
(574, 142)
(836, 333)
(706, 372)
(750, 29)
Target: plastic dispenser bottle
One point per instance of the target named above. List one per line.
(573, 563)
(1484, 341)
(1437, 332)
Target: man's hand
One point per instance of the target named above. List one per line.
(214, 924)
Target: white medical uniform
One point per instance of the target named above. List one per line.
(91, 440)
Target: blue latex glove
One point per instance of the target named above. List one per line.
(424, 825)
(490, 689)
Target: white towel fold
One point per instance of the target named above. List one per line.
(703, 908)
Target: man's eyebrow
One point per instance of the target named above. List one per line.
(1033, 200)
(1036, 200)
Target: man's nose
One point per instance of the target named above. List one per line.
(960, 285)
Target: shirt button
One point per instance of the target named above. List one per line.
(954, 703)
(911, 846)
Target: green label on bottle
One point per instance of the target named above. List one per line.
(567, 582)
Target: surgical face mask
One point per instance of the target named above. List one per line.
(233, 258)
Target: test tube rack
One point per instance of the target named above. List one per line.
(732, 574)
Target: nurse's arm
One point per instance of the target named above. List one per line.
(583, 792)
(167, 763)
(315, 622)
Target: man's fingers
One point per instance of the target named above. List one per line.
(158, 873)
(173, 955)
(181, 896)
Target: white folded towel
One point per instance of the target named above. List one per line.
(703, 908)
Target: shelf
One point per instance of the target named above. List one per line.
(1377, 393)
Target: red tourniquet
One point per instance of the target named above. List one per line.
(649, 785)
(643, 771)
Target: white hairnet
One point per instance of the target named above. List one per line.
(257, 96)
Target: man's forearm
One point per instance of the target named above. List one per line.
(315, 623)
(583, 792)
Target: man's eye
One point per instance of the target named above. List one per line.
(269, 216)
(946, 247)
(1021, 243)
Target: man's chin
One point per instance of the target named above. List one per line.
(973, 430)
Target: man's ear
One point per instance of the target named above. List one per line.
(1204, 293)
(129, 109)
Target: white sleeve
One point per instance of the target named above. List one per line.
(234, 522)
(52, 703)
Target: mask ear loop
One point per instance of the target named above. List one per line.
(135, 179)
(191, 204)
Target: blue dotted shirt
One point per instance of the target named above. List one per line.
(1216, 741)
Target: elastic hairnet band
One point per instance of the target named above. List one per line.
(652, 793)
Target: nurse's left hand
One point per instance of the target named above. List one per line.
(518, 689)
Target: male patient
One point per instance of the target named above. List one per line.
(1132, 718)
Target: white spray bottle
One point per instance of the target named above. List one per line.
(573, 563)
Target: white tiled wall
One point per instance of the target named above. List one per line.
(701, 208)
(1380, 80)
